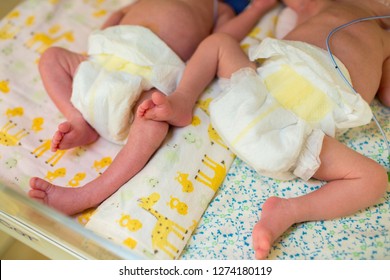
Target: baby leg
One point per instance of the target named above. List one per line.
(175, 111)
(72, 134)
(384, 88)
(69, 201)
(144, 139)
(57, 67)
(219, 54)
(354, 183)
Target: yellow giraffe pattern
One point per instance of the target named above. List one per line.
(77, 178)
(42, 149)
(100, 13)
(8, 31)
(187, 185)
(180, 206)
(162, 228)
(54, 159)
(215, 138)
(219, 173)
(98, 165)
(94, 2)
(129, 223)
(51, 176)
(254, 32)
(37, 124)
(7, 139)
(196, 121)
(46, 40)
(14, 112)
(4, 86)
(130, 242)
(204, 105)
(13, 14)
(30, 21)
(84, 218)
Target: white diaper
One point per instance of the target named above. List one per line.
(275, 119)
(287, 20)
(123, 62)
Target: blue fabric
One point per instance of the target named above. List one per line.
(238, 5)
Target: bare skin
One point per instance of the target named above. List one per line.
(57, 67)
(364, 49)
(130, 159)
(181, 115)
(323, 18)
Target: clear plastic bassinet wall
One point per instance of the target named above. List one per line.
(51, 233)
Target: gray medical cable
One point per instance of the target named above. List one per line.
(346, 80)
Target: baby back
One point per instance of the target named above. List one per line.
(362, 47)
(182, 24)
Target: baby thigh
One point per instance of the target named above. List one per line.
(57, 67)
(384, 88)
(228, 53)
(354, 181)
(58, 59)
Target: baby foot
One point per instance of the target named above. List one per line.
(156, 108)
(276, 218)
(66, 200)
(70, 135)
(163, 108)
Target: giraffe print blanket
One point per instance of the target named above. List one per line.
(165, 201)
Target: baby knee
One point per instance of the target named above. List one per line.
(377, 178)
(48, 57)
(384, 96)
(218, 39)
(51, 53)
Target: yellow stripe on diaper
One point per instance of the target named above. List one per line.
(253, 123)
(297, 94)
(115, 63)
